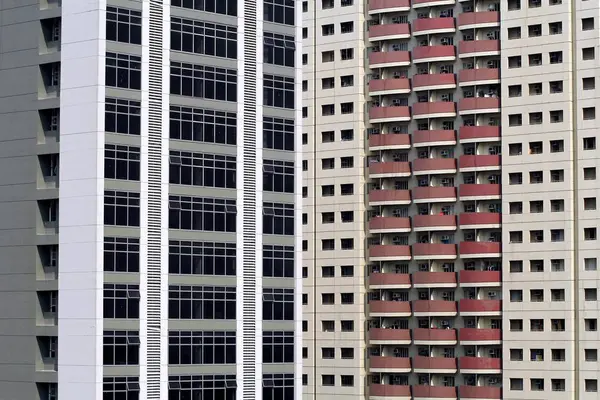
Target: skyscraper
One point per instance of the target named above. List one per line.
(149, 198)
(450, 192)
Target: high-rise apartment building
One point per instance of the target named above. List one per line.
(149, 199)
(450, 220)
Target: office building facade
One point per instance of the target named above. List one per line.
(151, 199)
(450, 199)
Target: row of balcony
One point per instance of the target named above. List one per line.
(467, 134)
(438, 251)
(434, 279)
(432, 365)
(392, 6)
(424, 308)
(466, 77)
(405, 392)
(478, 220)
(442, 337)
(432, 166)
(434, 194)
(434, 109)
(429, 26)
(435, 53)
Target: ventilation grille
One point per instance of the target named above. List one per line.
(249, 204)
(154, 198)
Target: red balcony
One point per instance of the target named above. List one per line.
(479, 278)
(433, 138)
(423, 279)
(426, 166)
(433, 251)
(389, 252)
(474, 336)
(434, 194)
(434, 365)
(389, 169)
(434, 222)
(480, 76)
(424, 308)
(434, 336)
(479, 105)
(472, 307)
(381, 308)
(480, 249)
(379, 87)
(472, 134)
(389, 32)
(432, 3)
(478, 48)
(480, 19)
(389, 59)
(389, 336)
(480, 392)
(480, 162)
(481, 191)
(429, 26)
(389, 114)
(433, 81)
(389, 281)
(433, 392)
(389, 197)
(479, 220)
(480, 365)
(389, 224)
(387, 6)
(434, 109)
(422, 54)
(389, 364)
(394, 392)
(390, 141)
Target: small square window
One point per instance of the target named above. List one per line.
(516, 296)
(514, 91)
(514, 33)
(590, 294)
(535, 118)
(590, 234)
(535, 59)
(534, 30)
(557, 175)
(557, 146)
(516, 266)
(591, 355)
(515, 178)
(515, 120)
(557, 235)
(589, 173)
(587, 53)
(514, 5)
(327, 271)
(589, 113)
(557, 265)
(514, 62)
(588, 83)
(328, 380)
(515, 207)
(591, 385)
(587, 24)
(516, 384)
(557, 205)
(347, 380)
(516, 325)
(589, 203)
(590, 264)
(556, 57)
(347, 135)
(555, 28)
(516, 354)
(589, 143)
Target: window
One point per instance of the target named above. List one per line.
(278, 261)
(327, 218)
(197, 169)
(556, 116)
(514, 5)
(121, 254)
(535, 118)
(347, 326)
(121, 208)
(278, 176)
(536, 354)
(305, 62)
(121, 301)
(327, 83)
(589, 113)
(328, 137)
(203, 125)
(327, 56)
(305, 6)
(536, 325)
(556, 87)
(557, 175)
(347, 189)
(590, 294)
(203, 82)
(346, 3)
(515, 178)
(123, 25)
(347, 298)
(558, 385)
(347, 353)
(557, 235)
(328, 353)
(537, 384)
(347, 54)
(591, 324)
(535, 89)
(202, 302)
(347, 27)
(196, 386)
(206, 38)
(591, 355)
(515, 237)
(202, 214)
(304, 192)
(278, 304)
(536, 206)
(304, 33)
(280, 49)
(516, 296)
(202, 348)
(536, 148)
(327, 190)
(122, 116)
(555, 28)
(535, 59)
(278, 133)
(514, 62)
(587, 24)
(347, 380)
(279, 11)
(515, 266)
(515, 120)
(589, 173)
(328, 30)
(347, 162)
(555, 57)
(347, 108)
(121, 162)
(516, 325)
(121, 347)
(557, 265)
(278, 346)
(347, 81)
(536, 177)
(516, 384)
(305, 137)
(536, 266)
(534, 30)
(347, 216)
(557, 294)
(590, 233)
(535, 3)
(516, 354)
(514, 33)
(278, 91)
(591, 385)
(278, 218)
(328, 271)
(328, 163)
(589, 203)
(202, 258)
(119, 388)
(123, 71)
(590, 264)
(327, 244)
(347, 135)
(557, 205)
(347, 244)
(226, 7)
(558, 354)
(276, 386)
(589, 143)
(514, 91)
(328, 110)
(588, 83)
(557, 146)
(536, 295)
(328, 380)
(515, 149)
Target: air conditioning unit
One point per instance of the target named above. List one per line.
(423, 42)
(444, 322)
(397, 129)
(423, 154)
(396, 102)
(445, 97)
(398, 157)
(493, 381)
(448, 267)
(468, 65)
(445, 41)
(396, 20)
(468, 93)
(469, 237)
(398, 212)
(495, 179)
(375, 269)
(444, 153)
(422, 15)
(446, 69)
(467, 37)
(470, 353)
(469, 179)
(423, 182)
(443, 14)
(397, 240)
(422, 71)
(373, 131)
(470, 324)
(469, 265)
(492, 295)
(396, 47)
(446, 182)
(423, 267)
(446, 296)
(493, 208)
(470, 208)
(446, 210)
(493, 122)
(397, 75)
(445, 238)
(493, 35)
(422, 296)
